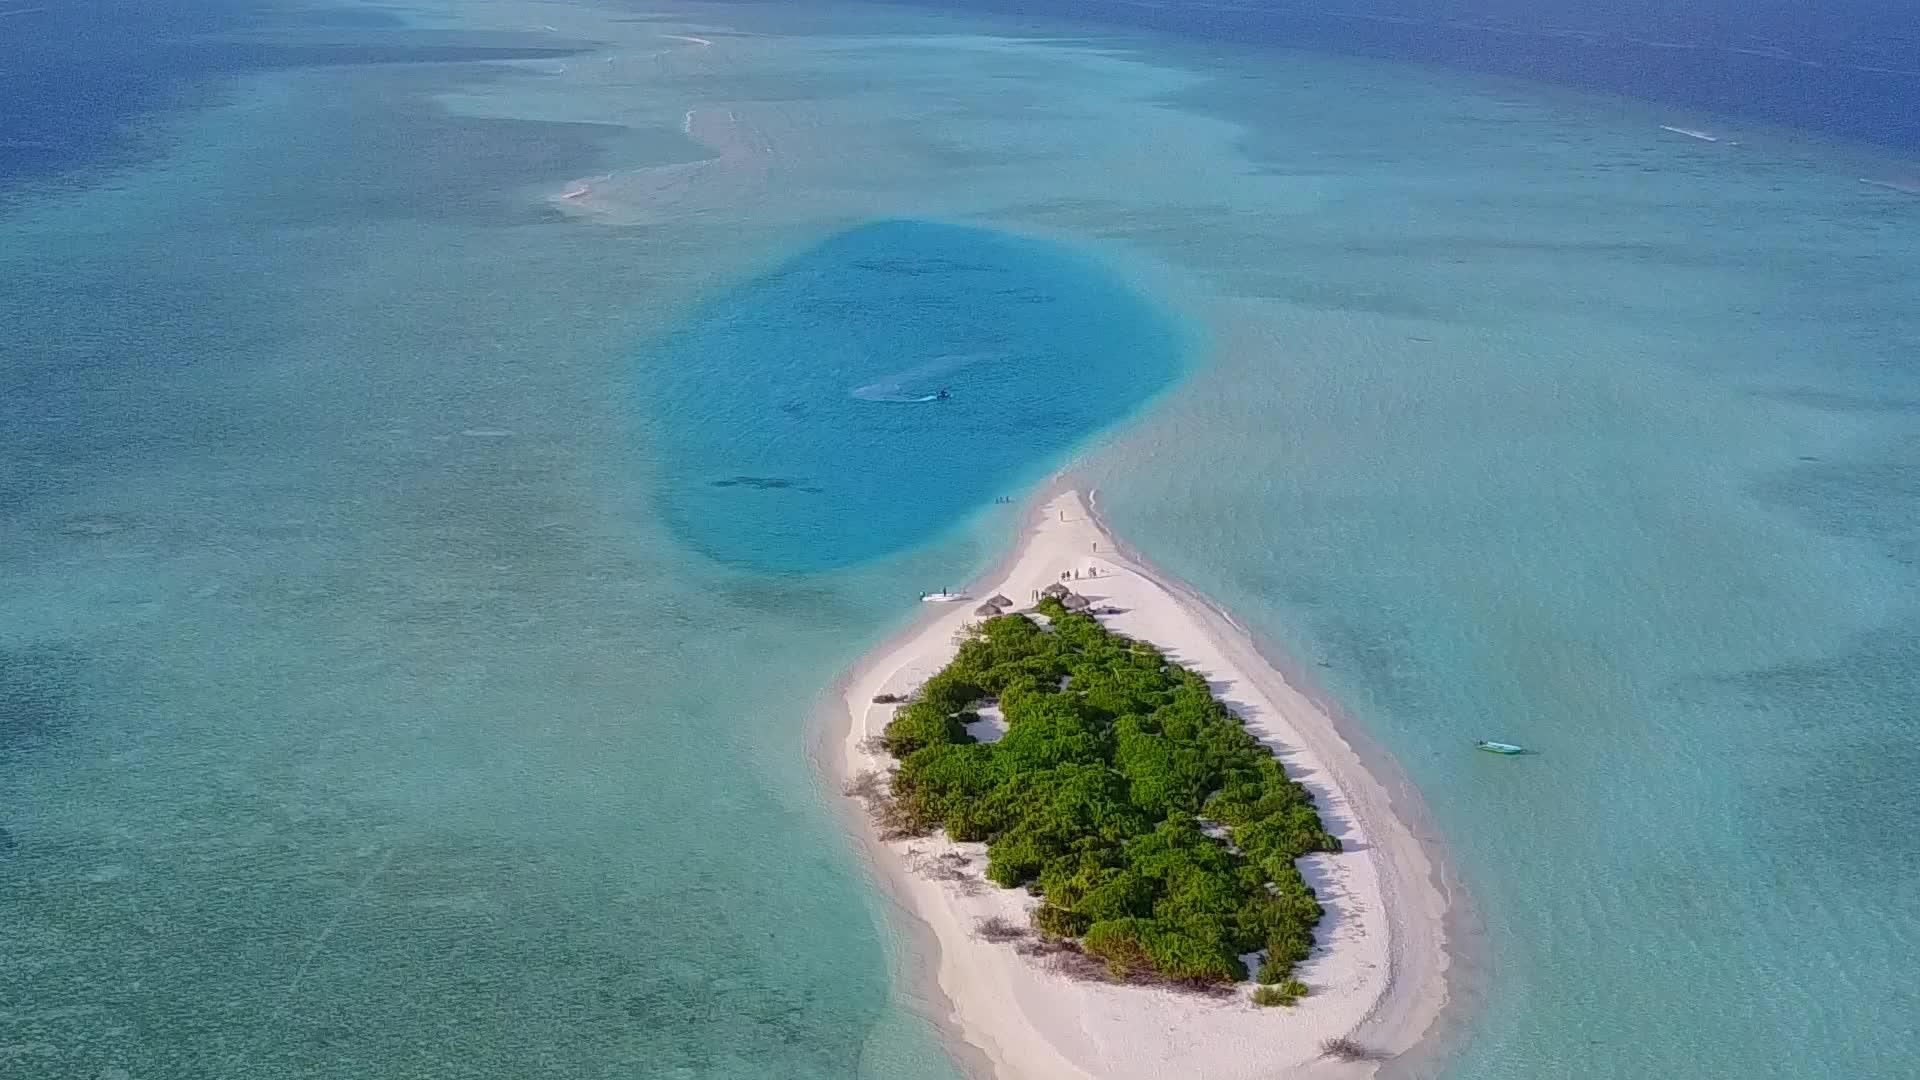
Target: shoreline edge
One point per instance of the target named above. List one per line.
(1395, 961)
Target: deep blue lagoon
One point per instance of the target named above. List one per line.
(799, 419)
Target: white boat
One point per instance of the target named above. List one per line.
(942, 597)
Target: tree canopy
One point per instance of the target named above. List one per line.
(1156, 830)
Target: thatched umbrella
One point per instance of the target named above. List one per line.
(987, 609)
(1075, 602)
(999, 601)
(1057, 591)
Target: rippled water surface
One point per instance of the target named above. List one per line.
(415, 583)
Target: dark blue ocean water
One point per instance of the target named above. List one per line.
(1849, 69)
(77, 75)
(798, 418)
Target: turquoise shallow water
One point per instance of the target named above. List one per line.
(356, 719)
(386, 687)
(1601, 446)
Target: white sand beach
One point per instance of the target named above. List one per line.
(1377, 972)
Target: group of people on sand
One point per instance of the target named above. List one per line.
(1072, 575)
(1065, 575)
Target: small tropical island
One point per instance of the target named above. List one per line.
(1157, 832)
(1115, 832)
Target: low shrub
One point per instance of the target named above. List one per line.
(1343, 1048)
(1286, 993)
(865, 784)
(999, 930)
(1058, 922)
(1090, 800)
(920, 725)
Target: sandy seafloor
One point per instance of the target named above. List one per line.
(378, 722)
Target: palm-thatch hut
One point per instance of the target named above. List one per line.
(999, 601)
(988, 609)
(1075, 602)
(1057, 591)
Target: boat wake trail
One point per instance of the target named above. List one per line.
(901, 388)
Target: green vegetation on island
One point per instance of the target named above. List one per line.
(1156, 830)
